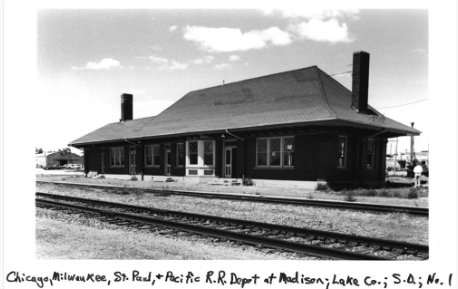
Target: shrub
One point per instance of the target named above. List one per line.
(384, 193)
(248, 182)
(322, 186)
(413, 193)
(369, 192)
(350, 196)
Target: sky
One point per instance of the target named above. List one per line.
(87, 58)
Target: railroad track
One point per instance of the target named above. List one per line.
(263, 235)
(367, 207)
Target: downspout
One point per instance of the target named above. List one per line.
(234, 135)
(143, 161)
(380, 132)
(132, 143)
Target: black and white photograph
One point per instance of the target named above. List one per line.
(242, 135)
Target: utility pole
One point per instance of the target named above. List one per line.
(396, 155)
(412, 150)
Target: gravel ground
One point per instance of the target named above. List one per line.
(75, 236)
(394, 226)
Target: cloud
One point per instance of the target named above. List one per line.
(166, 64)
(234, 57)
(223, 66)
(173, 28)
(317, 24)
(137, 91)
(322, 31)
(175, 65)
(312, 13)
(233, 39)
(419, 50)
(106, 63)
(204, 60)
(155, 47)
(158, 60)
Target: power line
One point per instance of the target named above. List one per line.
(340, 73)
(403, 104)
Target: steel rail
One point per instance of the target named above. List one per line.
(238, 237)
(300, 231)
(278, 200)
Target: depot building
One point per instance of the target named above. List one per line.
(299, 126)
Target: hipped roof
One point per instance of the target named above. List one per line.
(303, 96)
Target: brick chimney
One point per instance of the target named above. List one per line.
(127, 112)
(360, 84)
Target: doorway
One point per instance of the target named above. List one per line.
(230, 162)
(132, 160)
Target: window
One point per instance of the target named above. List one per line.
(117, 157)
(180, 154)
(275, 145)
(262, 152)
(275, 152)
(208, 153)
(342, 151)
(193, 152)
(370, 154)
(152, 155)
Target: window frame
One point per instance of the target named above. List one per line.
(268, 151)
(117, 153)
(212, 152)
(178, 156)
(370, 140)
(283, 152)
(153, 164)
(196, 153)
(345, 157)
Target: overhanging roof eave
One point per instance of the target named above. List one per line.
(409, 131)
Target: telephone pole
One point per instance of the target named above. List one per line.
(412, 150)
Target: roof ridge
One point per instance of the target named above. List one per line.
(119, 122)
(318, 70)
(251, 79)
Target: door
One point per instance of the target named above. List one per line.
(132, 160)
(168, 160)
(228, 163)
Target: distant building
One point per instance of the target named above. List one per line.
(53, 159)
(403, 159)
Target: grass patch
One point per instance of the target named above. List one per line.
(403, 193)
